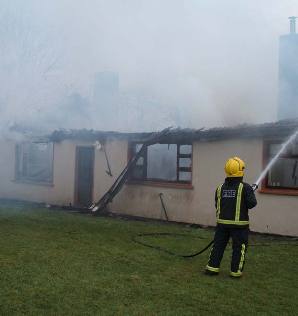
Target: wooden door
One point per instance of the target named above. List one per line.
(84, 175)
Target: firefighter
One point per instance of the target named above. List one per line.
(233, 199)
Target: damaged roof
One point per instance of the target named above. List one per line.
(93, 135)
(279, 129)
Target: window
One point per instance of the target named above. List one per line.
(284, 173)
(163, 163)
(34, 162)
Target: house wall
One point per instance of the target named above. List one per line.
(274, 214)
(62, 191)
(117, 155)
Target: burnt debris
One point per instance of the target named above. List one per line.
(120, 181)
(279, 129)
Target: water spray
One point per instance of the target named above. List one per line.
(274, 159)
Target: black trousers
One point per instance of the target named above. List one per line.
(240, 241)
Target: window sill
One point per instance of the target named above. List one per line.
(278, 191)
(23, 181)
(175, 185)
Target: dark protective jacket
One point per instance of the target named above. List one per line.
(233, 199)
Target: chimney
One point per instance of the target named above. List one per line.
(292, 24)
(288, 73)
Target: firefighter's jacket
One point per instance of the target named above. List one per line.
(233, 199)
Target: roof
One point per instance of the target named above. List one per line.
(279, 129)
(92, 135)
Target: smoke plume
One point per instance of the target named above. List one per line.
(182, 63)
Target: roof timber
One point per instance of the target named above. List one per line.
(279, 129)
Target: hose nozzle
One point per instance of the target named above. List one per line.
(255, 186)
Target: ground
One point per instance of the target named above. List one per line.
(60, 263)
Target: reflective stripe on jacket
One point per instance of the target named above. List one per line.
(232, 201)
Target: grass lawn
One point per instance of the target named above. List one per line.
(58, 263)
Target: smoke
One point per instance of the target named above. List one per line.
(185, 63)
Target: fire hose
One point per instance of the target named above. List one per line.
(136, 239)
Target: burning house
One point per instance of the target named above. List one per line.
(181, 170)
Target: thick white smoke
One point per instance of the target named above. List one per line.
(187, 63)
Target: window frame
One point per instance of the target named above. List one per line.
(265, 188)
(160, 182)
(19, 178)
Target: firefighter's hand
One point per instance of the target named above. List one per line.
(254, 186)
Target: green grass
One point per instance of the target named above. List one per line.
(58, 263)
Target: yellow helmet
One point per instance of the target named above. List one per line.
(234, 167)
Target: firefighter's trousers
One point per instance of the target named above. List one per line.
(240, 241)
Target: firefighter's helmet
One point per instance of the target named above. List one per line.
(234, 167)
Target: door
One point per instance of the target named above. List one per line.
(84, 175)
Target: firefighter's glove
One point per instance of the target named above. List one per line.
(254, 186)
